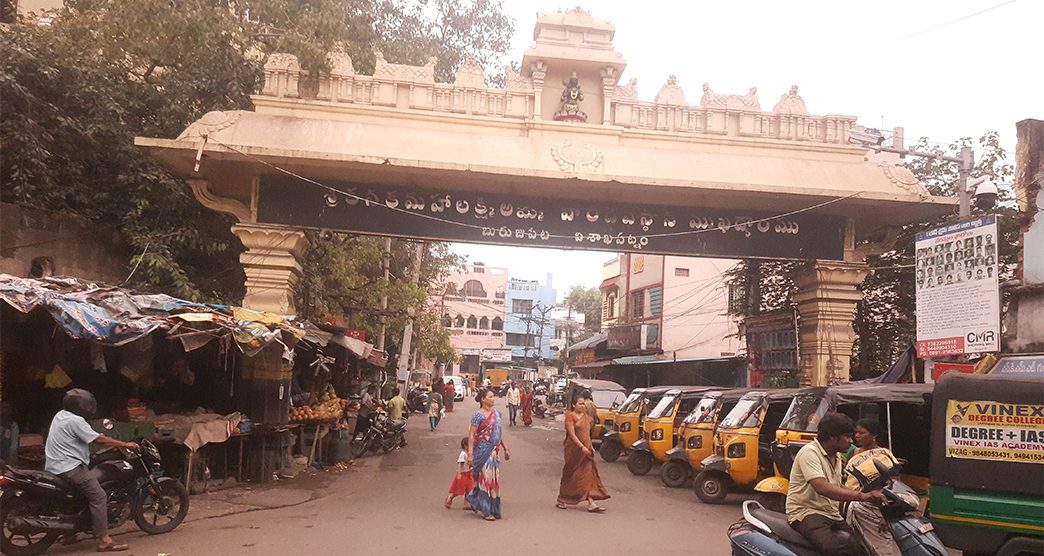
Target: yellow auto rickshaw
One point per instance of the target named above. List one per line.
(905, 405)
(607, 396)
(696, 436)
(743, 444)
(627, 421)
(659, 429)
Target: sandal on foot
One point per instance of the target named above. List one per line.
(561, 506)
(596, 510)
(489, 518)
(449, 505)
(113, 547)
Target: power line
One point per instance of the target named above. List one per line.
(948, 23)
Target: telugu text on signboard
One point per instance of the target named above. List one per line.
(958, 291)
(995, 431)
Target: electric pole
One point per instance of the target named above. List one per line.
(386, 267)
(403, 374)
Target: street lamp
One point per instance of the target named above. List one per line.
(872, 139)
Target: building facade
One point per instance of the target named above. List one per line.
(529, 324)
(472, 309)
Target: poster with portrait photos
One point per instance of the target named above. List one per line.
(958, 291)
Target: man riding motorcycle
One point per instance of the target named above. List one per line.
(67, 456)
(815, 490)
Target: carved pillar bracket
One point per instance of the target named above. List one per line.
(826, 299)
(206, 197)
(609, 79)
(272, 266)
(539, 72)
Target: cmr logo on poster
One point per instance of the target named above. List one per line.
(957, 287)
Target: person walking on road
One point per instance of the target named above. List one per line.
(514, 400)
(462, 480)
(485, 442)
(580, 479)
(448, 393)
(434, 409)
(527, 406)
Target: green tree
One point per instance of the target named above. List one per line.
(74, 93)
(587, 301)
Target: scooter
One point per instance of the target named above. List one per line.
(37, 507)
(766, 533)
(539, 409)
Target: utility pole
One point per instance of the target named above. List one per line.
(386, 267)
(403, 374)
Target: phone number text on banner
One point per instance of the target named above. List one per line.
(995, 431)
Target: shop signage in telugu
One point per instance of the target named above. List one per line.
(989, 430)
(475, 217)
(958, 291)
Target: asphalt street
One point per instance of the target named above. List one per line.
(393, 504)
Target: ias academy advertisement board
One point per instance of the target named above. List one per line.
(958, 291)
(995, 431)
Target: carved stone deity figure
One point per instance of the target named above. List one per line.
(572, 96)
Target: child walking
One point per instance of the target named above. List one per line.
(463, 483)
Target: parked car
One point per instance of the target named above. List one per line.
(459, 386)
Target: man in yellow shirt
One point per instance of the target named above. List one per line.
(815, 490)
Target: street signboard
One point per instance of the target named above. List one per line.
(477, 217)
(958, 290)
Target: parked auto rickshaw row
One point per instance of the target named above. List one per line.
(720, 439)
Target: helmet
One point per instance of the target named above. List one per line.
(80, 402)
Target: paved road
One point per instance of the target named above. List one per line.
(393, 503)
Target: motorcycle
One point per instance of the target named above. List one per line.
(381, 434)
(539, 409)
(417, 400)
(37, 507)
(767, 533)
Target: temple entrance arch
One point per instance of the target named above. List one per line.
(565, 155)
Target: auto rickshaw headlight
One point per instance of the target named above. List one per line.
(737, 450)
(696, 441)
(626, 427)
(657, 434)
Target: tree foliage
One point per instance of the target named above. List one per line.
(589, 302)
(74, 94)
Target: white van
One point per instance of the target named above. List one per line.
(458, 386)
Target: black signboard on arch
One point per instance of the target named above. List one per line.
(470, 217)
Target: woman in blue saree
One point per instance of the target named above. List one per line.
(485, 442)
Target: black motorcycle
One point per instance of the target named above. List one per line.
(37, 507)
(417, 400)
(381, 433)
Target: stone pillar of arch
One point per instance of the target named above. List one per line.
(826, 299)
(272, 266)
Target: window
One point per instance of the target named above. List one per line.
(610, 306)
(683, 272)
(638, 304)
(497, 323)
(524, 340)
(473, 288)
(521, 306)
(484, 323)
(472, 322)
(459, 322)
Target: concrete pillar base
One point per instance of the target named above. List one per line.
(826, 300)
(272, 266)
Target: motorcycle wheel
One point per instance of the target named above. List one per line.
(167, 507)
(640, 463)
(711, 487)
(610, 450)
(18, 544)
(360, 447)
(674, 473)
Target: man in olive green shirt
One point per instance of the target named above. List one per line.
(396, 406)
(815, 490)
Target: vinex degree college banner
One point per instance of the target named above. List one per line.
(995, 431)
(958, 291)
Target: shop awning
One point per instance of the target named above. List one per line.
(659, 358)
(115, 316)
(588, 343)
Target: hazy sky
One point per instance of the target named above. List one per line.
(910, 64)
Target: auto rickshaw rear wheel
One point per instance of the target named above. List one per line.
(772, 501)
(711, 487)
(675, 473)
(640, 463)
(610, 450)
